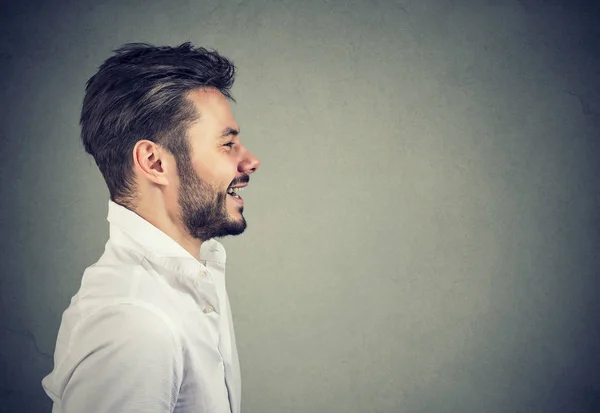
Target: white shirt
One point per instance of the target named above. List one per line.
(149, 331)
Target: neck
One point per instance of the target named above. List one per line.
(170, 225)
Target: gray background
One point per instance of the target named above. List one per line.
(423, 233)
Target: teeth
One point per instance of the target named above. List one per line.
(234, 191)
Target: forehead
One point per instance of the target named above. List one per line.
(213, 110)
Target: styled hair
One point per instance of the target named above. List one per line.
(141, 93)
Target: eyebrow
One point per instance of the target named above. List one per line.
(228, 132)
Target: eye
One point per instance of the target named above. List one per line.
(229, 144)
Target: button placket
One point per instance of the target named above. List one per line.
(206, 277)
(205, 274)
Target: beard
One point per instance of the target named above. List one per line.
(203, 208)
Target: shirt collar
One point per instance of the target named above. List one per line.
(130, 229)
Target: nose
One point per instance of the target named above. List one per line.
(249, 163)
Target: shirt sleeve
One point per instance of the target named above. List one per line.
(125, 358)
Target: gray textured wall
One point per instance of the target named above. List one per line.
(423, 234)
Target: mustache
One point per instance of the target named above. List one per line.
(242, 179)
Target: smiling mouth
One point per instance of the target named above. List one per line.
(234, 192)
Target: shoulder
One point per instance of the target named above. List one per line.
(126, 335)
(139, 324)
(121, 302)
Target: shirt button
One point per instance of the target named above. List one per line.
(209, 309)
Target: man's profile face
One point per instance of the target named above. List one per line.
(217, 161)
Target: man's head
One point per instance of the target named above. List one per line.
(158, 123)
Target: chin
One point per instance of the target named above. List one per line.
(236, 223)
(236, 226)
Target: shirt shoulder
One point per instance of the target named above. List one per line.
(119, 279)
(123, 276)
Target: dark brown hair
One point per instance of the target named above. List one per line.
(140, 93)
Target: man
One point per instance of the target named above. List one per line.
(150, 328)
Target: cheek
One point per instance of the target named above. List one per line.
(218, 172)
(219, 177)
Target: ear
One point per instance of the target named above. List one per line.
(152, 161)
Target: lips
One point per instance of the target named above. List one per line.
(237, 186)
